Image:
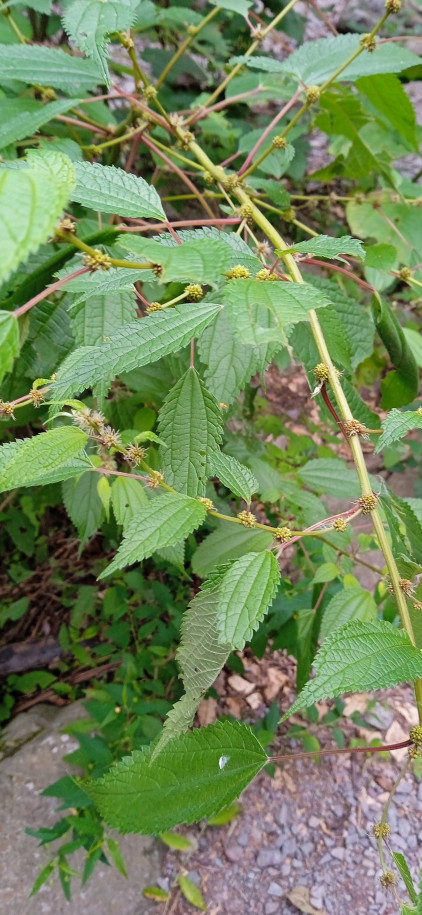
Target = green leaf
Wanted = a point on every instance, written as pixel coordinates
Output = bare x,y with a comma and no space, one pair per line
93,323
234,475
9,341
175,840
229,363
164,521
83,504
194,261
191,892
193,777
246,592
400,386
228,542
127,499
226,815
190,427
332,477
360,657
326,246
43,876
389,99
20,121
414,340
25,220
358,326
156,893
89,22
316,61
402,866
134,345
114,850
345,606
25,461
43,66
235,6
201,657
395,426
251,302
112,190
91,284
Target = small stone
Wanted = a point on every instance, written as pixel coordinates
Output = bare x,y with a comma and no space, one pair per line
283,815
234,852
288,848
271,908
398,842
404,787
275,889
339,853
268,857
316,902
314,822
285,870
307,848
404,828
420,792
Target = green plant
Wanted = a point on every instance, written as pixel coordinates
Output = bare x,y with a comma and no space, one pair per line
159,336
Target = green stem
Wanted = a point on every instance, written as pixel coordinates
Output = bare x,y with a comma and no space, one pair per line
193,33
384,816
114,261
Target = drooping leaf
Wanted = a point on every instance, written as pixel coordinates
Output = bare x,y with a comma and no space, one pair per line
403,868
24,462
25,220
194,261
194,777
89,22
332,477
234,475
9,341
326,246
22,120
165,520
250,301
127,499
83,504
190,428
43,66
345,606
134,345
229,541
400,386
245,594
395,426
360,657
112,190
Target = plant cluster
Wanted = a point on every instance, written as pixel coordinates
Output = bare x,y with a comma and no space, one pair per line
163,244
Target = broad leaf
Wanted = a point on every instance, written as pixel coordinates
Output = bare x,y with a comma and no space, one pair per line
326,246
25,220
251,302
194,261
24,462
235,6
22,120
402,866
194,777
395,426
164,521
128,498
332,477
245,594
234,475
83,504
389,98
357,322
89,22
400,386
9,341
43,66
360,657
350,604
96,321
190,427
112,190
134,345
229,541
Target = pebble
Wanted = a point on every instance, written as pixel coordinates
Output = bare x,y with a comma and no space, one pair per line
306,848
420,792
316,902
271,908
288,848
275,889
339,853
404,787
285,870
314,822
398,842
283,815
269,857
234,852
404,828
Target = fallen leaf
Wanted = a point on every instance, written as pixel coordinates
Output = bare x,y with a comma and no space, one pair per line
356,703
299,897
254,700
207,712
240,685
235,707
275,682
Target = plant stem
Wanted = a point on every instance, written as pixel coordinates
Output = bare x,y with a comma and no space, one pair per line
46,292
384,816
335,751
193,33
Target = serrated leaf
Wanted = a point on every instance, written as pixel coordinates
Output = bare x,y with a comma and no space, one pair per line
112,190
43,66
240,252
83,504
229,541
345,606
360,657
395,426
250,301
117,279
400,386
25,461
332,477
191,892
234,475
184,784
164,521
389,98
127,499
245,594
175,840
25,220
9,341
21,121
89,22
134,345
201,261
93,323
190,427
316,61
326,246
229,363
357,322
403,868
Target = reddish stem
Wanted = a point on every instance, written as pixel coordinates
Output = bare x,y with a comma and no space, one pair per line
332,410
84,124
46,292
337,752
120,473
184,223
267,130
348,273
175,168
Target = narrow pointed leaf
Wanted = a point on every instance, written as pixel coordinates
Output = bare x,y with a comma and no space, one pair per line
246,592
165,520
112,190
190,427
194,777
234,475
19,122
191,892
326,246
25,461
360,657
42,66
9,341
395,426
